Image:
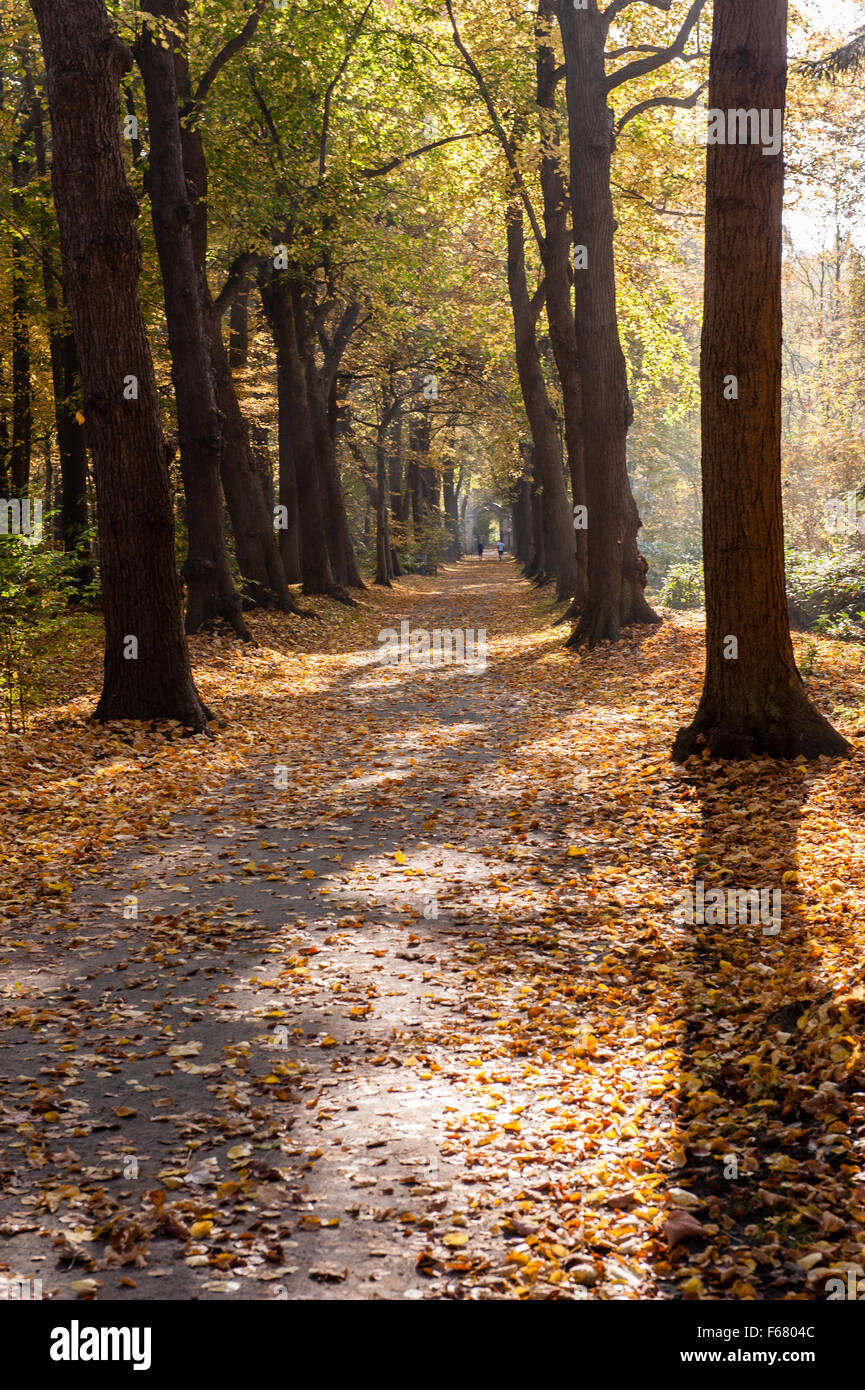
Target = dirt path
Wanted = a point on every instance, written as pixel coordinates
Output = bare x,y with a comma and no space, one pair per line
402,1033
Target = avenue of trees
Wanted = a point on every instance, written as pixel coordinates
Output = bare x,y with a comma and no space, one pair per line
463,243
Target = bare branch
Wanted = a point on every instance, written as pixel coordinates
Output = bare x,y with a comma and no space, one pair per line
641,66
233,46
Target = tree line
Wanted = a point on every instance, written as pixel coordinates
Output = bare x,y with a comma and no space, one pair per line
309,216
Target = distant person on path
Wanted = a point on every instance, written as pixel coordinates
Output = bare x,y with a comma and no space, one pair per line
501,549
480,550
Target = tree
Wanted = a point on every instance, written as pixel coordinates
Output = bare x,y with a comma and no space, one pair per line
753,698
146,673
210,586
541,415
617,572
257,548
555,293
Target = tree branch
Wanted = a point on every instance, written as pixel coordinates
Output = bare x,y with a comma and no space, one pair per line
335,349
501,133
613,11
233,46
414,154
663,211
331,88
538,301
236,275
641,66
649,105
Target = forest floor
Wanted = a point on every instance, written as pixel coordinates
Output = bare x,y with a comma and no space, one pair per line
379,992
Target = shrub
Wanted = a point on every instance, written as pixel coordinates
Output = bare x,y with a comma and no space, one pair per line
684,585
35,588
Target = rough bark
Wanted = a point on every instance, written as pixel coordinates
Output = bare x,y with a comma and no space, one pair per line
616,573
753,701
211,593
543,422
96,210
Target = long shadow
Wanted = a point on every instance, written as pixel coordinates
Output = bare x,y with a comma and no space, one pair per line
762,1108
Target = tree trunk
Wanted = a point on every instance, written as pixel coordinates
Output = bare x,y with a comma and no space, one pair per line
65,382
557,276
342,557
289,532
397,503
147,673
4,436
22,389
616,572
536,568
753,701
207,571
541,415
238,327
72,449
255,539
382,513
297,446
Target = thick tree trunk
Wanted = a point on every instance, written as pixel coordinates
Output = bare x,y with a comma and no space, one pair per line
207,571
541,415
616,573
557,276
753,701
147,671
